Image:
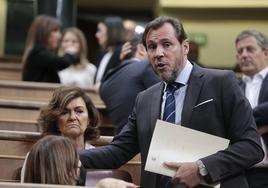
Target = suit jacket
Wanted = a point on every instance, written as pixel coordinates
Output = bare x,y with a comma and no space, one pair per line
120,87
228,115
260,112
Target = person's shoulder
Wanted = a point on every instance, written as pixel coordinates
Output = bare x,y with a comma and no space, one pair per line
154,88
213,71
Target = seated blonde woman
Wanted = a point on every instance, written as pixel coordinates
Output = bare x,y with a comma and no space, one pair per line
82,73
55,160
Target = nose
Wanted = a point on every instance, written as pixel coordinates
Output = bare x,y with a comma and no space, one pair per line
159,52
72,115
244,53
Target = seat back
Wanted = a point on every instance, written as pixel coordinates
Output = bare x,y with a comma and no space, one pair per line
94,176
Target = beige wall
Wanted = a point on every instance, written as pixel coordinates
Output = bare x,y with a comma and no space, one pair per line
221,27
220,48
3,9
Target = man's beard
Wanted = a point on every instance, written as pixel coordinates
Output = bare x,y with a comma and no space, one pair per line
169,77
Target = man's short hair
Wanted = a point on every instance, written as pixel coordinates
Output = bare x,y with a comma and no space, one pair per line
260,37
160,21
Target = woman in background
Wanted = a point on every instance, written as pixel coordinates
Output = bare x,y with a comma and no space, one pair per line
83,73
40,61
111,35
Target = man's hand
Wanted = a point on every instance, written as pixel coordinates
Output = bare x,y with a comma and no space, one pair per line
186,173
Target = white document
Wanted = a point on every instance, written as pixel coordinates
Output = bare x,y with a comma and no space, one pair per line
174,143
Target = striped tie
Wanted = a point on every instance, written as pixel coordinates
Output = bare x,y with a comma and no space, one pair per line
169,110
169,116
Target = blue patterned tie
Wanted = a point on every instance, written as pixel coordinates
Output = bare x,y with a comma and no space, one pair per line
170,106
169,116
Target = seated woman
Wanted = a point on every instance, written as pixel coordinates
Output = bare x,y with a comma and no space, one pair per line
55,160
72,114
83,73
40,61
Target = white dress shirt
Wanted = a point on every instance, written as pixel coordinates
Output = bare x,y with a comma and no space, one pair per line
103,64
179,94
252,92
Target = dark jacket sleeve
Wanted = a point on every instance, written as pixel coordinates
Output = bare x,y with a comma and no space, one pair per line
260,114
48,60
123,148
244,149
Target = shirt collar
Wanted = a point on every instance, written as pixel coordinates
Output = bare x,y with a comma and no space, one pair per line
262,74
184,75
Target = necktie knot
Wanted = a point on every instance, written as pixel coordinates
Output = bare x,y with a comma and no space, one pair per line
171,88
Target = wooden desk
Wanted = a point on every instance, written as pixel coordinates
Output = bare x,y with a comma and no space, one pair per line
10,71
37,91
18,113
14,145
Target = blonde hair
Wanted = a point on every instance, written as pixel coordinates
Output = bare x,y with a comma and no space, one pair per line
83,46
52,160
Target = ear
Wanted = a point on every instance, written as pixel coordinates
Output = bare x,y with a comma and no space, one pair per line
185,46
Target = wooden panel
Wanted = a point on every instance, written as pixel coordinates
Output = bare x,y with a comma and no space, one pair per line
18,148
30,185
10,71
18,142
133,167
21,102
117,4
14,125
214,4
24,115
17,113
37,91
10,168
15,144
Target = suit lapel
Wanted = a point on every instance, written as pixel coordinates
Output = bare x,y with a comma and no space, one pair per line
156,104
193,89
242,85
264,90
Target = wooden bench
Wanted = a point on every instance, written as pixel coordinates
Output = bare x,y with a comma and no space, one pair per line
14,125
31,185
10,68
14,145
37,91
18,113
10,71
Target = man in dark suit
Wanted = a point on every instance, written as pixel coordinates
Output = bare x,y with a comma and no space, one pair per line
209,101
120,86
252,56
